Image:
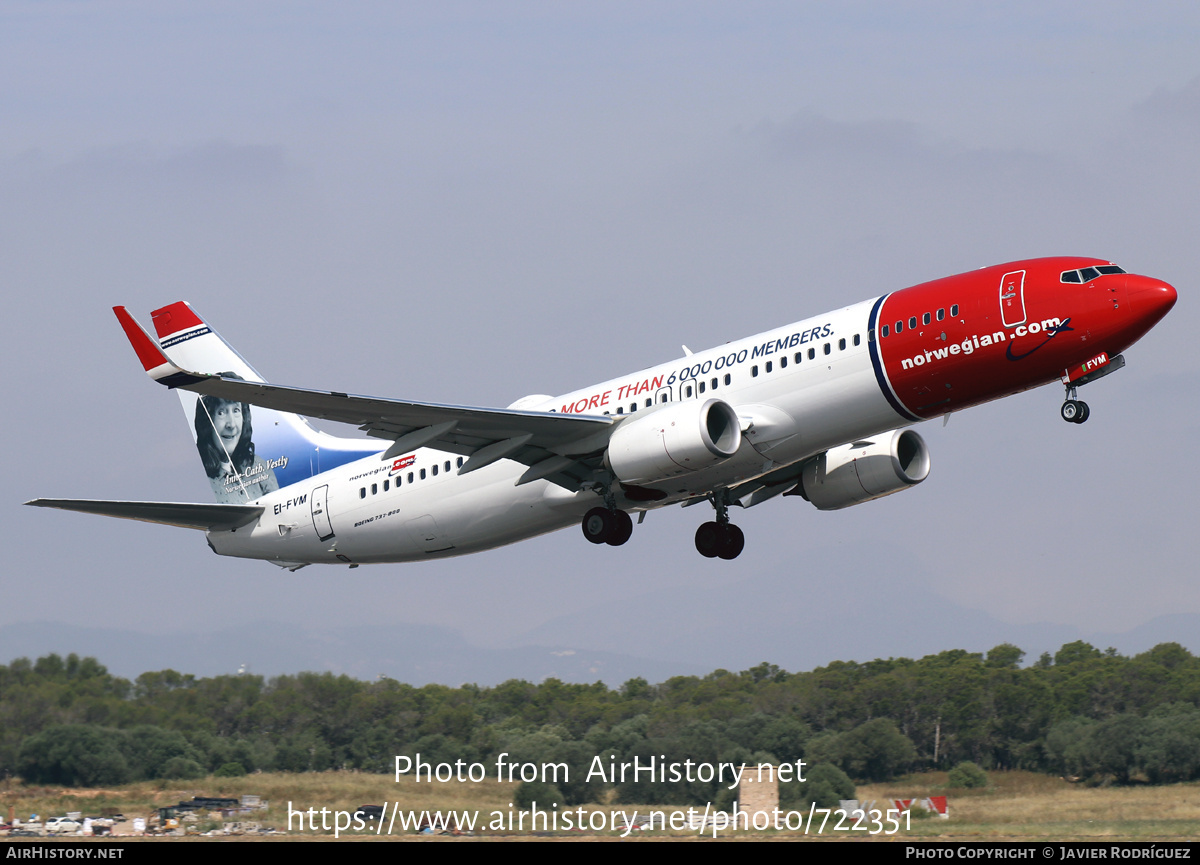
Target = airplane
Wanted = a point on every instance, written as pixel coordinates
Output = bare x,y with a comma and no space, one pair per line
818,409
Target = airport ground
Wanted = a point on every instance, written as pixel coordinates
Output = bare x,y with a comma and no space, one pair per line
1014,806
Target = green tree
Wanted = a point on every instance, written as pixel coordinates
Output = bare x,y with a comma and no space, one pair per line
74,755
148,749
545,796
968,774
874,751
1006,656
824,785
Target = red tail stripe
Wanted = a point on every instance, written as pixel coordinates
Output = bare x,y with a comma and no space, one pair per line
148,353
174,318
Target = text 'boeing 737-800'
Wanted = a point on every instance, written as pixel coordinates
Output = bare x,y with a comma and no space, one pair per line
818,409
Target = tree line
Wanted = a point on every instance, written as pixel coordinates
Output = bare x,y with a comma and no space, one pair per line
1091,714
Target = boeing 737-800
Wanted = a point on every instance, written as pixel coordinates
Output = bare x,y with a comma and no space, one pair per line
818,409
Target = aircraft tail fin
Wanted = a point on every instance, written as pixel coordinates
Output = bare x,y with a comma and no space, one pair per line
246,453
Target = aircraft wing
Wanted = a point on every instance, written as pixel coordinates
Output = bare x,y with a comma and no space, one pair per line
182,514
555,446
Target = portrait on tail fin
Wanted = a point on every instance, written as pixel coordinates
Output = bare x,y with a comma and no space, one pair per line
224,438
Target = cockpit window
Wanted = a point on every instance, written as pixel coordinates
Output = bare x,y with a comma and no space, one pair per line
1087,274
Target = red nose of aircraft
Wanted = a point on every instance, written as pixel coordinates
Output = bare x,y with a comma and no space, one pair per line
1150,298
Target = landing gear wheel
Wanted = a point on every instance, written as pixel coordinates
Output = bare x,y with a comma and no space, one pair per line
722,540
733,542
1084,413
622,529
1071,411
708,540
598,524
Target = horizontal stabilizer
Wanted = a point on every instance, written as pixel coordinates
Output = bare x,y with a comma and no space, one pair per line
182,514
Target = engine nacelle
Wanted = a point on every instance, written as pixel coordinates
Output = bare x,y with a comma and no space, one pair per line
675,440
865,470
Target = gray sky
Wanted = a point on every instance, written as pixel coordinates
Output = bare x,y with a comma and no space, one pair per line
471,202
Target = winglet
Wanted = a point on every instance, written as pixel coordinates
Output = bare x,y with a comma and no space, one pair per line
156,364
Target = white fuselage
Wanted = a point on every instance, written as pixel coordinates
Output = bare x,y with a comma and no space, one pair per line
371,511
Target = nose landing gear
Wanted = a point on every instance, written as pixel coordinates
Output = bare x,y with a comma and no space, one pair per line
1074,410
720,539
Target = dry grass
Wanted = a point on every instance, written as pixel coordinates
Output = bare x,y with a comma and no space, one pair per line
1017,805
342,791
1040,807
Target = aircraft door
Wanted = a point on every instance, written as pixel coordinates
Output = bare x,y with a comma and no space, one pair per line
320,513
687,389
663,395
1012,298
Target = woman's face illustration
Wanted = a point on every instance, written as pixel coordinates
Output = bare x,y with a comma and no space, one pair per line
228,420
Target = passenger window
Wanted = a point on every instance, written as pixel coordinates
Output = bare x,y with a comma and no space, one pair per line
448,461
422,474
620,409
798,356
812,352
434,469
885,330
362,492
649,402
857,338
912,323
459,462
828,348
769,366
870,337
385,486
954,311
754,371
783,362
899,327
374,489
398,479
701,387
632,407
410,477
941,313
842,344
925,318
689,390
728,378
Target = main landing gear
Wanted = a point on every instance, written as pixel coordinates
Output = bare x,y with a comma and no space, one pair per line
720,539
607,526
1074,410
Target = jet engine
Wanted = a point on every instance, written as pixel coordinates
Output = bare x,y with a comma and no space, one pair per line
865,470
677,439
